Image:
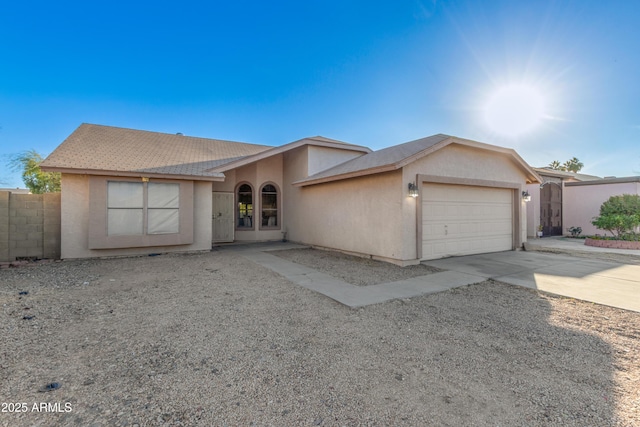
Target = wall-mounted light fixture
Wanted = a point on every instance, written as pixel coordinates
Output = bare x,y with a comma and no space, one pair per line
413,190
526,196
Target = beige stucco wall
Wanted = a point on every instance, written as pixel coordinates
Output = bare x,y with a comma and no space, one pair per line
533,210
76,215
582,203
268,170
296,167
460,162
374,215
323,158
358,215
308,160
361,215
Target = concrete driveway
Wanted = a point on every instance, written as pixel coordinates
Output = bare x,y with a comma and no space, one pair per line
602,282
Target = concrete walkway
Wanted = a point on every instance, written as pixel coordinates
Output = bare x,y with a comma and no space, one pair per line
602,282
346,293
609,283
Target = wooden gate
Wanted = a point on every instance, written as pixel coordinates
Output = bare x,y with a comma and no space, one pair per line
551,209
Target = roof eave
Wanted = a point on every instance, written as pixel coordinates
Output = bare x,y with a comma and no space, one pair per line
283,148
364,172
133,174
532,176
604,181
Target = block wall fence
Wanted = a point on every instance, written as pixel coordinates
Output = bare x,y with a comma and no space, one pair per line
29,226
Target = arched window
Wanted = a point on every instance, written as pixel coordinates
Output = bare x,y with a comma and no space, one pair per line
269,205
245,207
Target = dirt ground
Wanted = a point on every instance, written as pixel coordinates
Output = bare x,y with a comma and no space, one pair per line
213,339
352,269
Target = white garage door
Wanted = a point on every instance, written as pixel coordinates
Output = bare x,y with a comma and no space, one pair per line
465,220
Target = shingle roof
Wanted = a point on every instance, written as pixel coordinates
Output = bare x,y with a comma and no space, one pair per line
111,149
272,151
565,174
603,181
386,157
397,156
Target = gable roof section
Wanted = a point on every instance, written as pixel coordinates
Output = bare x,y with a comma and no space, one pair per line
318,141
106,150
566,175
397,156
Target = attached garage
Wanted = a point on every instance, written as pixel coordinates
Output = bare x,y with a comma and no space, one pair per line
426,199
465,220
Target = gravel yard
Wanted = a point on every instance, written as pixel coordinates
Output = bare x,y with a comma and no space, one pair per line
212,339
355,270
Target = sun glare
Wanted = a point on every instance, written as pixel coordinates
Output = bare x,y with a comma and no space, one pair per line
514,109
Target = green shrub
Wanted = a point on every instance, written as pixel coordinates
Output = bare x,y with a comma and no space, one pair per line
575,231
620,215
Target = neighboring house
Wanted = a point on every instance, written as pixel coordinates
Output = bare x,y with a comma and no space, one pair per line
127,192
547,207
567,199
583,199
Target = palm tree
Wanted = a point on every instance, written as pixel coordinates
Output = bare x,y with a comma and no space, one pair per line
573,165
555,165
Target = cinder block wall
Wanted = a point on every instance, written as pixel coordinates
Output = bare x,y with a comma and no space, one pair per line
4,226
29,225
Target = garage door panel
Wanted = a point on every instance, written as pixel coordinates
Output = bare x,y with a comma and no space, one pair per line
464,220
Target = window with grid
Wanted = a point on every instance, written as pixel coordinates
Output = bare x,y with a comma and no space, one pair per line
269,206
245,206
137,208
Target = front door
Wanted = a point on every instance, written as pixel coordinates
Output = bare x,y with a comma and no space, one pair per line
222,217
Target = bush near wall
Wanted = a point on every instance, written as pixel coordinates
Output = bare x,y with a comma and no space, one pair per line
620,215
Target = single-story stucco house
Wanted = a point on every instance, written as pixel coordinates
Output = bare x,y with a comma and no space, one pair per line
127,192
567,199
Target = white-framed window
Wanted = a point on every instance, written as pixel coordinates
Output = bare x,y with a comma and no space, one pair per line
139,208
125,208
163,208
269,206
244,209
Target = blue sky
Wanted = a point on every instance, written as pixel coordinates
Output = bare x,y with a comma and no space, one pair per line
375,73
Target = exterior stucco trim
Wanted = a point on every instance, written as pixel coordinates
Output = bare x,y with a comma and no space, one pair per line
434,179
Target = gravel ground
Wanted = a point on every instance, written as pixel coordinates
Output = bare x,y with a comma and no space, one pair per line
212,340
353,269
